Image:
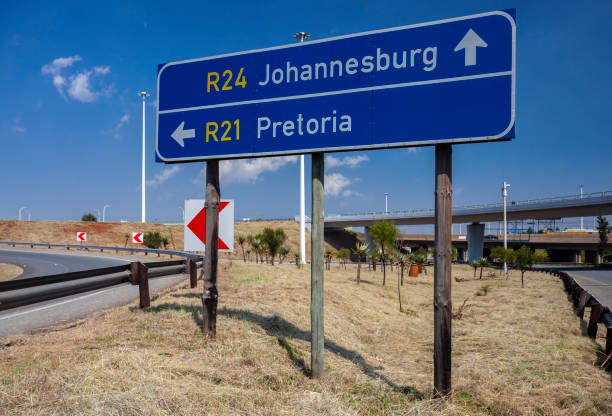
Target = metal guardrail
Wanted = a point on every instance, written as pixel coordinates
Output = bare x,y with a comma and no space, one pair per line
132,250
16,293
420,212
582,299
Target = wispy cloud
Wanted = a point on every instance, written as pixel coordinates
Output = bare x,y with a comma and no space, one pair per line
115,130
17,126
163,176
332,162
85,85
412,149
250,170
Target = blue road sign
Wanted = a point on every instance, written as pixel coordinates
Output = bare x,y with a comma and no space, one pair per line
450,81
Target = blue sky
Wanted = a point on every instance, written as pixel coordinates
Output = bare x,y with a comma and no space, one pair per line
70,116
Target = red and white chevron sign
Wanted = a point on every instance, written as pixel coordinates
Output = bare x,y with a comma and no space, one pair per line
81,236
195,225
137,238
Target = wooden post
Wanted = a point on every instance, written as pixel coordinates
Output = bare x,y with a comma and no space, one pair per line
596,313
443,306
134,269
211,295
143,285
317,342
192,269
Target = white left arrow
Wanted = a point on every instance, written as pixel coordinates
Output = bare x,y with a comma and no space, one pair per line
180,135
469,43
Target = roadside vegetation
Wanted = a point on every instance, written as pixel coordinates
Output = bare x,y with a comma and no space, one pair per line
509,356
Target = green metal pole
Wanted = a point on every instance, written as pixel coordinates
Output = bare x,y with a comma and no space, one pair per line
316,267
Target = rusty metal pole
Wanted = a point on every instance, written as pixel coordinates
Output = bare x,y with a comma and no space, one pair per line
443,306
210,295
134,270
317,271
192,269
143,286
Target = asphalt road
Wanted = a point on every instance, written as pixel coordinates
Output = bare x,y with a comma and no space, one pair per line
67,309
41,263
598,282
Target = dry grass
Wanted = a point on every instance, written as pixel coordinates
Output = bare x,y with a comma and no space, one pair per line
9,271
515,352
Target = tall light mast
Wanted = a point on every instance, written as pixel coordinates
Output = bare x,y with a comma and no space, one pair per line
144,95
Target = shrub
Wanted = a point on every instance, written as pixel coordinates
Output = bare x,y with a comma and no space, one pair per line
153,239
89,217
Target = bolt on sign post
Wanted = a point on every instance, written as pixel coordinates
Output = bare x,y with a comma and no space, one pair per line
437,83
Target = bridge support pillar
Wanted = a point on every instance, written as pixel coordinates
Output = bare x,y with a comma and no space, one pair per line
592,256
368,240
576,256
475,240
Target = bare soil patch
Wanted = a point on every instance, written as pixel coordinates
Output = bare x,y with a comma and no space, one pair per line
515,352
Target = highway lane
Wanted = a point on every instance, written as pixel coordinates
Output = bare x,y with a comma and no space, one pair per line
40,263
41,315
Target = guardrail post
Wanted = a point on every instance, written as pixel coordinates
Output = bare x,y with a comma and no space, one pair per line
192,269
596,313
584,300
143,283
134,278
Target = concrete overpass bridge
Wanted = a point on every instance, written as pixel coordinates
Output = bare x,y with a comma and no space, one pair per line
593,204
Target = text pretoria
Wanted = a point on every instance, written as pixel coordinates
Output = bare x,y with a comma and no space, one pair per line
337,68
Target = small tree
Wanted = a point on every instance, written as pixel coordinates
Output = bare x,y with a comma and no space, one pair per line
282,253
343,255
361,251
127,238
374,257
297,260
165,241
602,230
273,240
152,240
482,263
524,260
385,234
476,265
89,217
241,240
540,255
454,254
328,258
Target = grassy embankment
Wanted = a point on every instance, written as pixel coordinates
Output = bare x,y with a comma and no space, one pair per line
9,271
515,352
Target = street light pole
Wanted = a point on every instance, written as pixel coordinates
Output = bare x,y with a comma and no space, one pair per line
98,211
386,202
182,213
302,36
505,196
581,218
104,212
144,95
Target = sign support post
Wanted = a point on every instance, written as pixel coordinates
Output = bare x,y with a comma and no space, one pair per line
210,295
443,305
317,342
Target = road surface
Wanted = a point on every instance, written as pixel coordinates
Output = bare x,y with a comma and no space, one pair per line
41,263
67,309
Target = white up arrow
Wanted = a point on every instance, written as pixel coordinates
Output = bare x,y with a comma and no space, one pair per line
180,135
469,43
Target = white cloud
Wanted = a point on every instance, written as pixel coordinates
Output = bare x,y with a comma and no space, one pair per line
162,177
78,85
413,149
335,183
115,130
80,88
332,162
250,170
19,129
